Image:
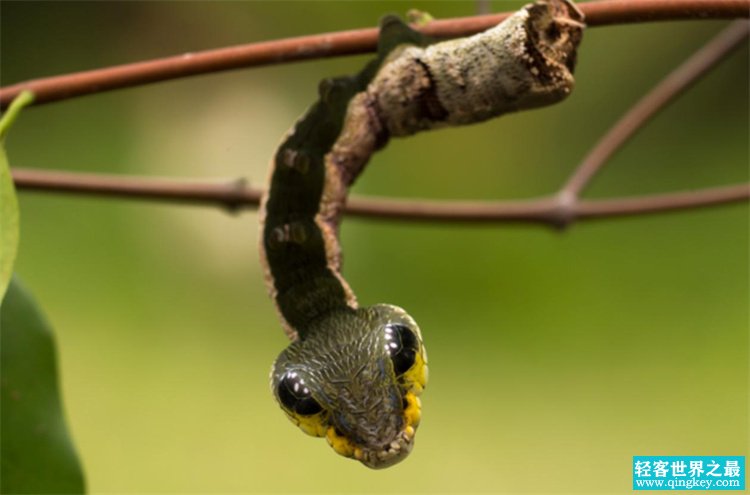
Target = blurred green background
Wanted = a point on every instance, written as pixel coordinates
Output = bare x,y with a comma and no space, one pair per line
555,357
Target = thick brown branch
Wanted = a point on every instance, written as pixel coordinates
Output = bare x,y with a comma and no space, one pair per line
234,195
350,42
679,80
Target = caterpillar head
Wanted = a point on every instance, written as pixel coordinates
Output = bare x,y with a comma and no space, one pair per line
355,379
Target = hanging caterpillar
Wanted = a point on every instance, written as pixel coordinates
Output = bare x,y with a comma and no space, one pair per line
353,374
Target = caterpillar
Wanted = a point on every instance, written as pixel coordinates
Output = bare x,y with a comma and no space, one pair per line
354,374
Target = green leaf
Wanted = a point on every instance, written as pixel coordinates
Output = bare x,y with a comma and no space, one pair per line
36,452
8,201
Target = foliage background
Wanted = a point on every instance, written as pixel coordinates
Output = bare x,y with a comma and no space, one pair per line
555,357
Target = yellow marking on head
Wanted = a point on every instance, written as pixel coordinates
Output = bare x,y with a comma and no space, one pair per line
312,425
409,431
416,377
341,444
413,410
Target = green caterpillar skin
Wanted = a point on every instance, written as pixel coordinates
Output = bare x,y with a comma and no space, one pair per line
353,374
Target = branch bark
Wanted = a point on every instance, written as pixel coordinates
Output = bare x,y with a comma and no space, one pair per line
601,13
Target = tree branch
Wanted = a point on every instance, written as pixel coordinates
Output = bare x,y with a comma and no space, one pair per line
558,210
229,194
679,80
237,194
350,42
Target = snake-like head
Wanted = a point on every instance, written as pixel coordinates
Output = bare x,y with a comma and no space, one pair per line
354,379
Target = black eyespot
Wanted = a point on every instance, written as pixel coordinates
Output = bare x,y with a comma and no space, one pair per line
402,345
295,395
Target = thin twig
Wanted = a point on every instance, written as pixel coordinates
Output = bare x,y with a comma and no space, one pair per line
231,195
546,210
665,92
340,43
605,208
236,194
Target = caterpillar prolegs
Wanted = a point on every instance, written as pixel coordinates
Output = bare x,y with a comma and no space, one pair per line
353,374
